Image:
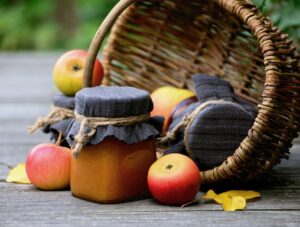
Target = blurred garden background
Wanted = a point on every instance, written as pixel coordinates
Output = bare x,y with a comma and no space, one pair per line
71,24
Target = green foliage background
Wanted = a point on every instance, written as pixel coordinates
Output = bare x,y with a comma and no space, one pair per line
35,25
285,14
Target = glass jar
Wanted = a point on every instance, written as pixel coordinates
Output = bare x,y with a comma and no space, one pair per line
113,163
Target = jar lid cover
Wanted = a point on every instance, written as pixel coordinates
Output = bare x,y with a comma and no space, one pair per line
211,87
63,101
112,102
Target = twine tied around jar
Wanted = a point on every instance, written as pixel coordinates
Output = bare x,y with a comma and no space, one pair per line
185,124
56,114
83,137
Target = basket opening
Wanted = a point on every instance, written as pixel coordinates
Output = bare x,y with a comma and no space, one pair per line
161,43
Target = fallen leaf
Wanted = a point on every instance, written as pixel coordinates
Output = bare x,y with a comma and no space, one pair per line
18,175
245,194
233,203
232,200
212,195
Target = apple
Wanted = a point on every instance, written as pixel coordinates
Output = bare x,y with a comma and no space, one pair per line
48,166
68,72
165,99
174,179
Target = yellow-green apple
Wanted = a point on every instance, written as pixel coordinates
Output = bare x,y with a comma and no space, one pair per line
165,99
48,166
174,179
68,72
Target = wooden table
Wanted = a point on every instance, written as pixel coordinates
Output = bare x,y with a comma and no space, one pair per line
26,89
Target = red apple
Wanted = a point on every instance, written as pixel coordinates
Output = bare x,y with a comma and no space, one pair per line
68,72
48,166
174,179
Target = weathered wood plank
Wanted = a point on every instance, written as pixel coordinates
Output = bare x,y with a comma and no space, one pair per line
11,59
175,218
19,125
23,95
14,131
281,199
20,139
20,73
12,155
43,210
13,111
3,172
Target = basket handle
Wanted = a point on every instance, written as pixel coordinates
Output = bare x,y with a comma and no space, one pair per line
99,37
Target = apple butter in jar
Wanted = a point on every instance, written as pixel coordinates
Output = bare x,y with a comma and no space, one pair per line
113,143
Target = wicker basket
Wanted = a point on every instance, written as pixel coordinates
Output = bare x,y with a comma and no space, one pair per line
158,42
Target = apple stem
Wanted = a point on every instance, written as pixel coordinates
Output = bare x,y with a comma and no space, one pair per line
169,166
76,68
58,142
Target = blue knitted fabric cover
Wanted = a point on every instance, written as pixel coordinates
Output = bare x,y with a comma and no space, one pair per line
116,102
64,101
63,126
218,129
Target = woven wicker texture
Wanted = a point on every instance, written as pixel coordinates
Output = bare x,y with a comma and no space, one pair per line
159,42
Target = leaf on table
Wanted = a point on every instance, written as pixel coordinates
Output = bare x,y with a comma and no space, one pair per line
245,194
232,200
233,203
18,175
212,195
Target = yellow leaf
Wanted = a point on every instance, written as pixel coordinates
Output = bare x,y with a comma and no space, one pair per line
232,200
212,195
18,175
245,194
233,203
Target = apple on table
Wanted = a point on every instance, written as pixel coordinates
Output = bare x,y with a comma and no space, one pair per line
68,72
174,179
48,166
